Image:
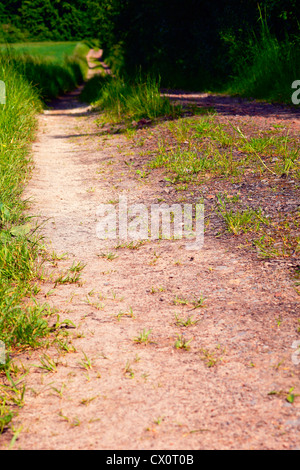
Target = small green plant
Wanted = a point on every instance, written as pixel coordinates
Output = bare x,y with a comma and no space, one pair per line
87,401
189,321
143,337
199,302
154,290
142,174
95,303
6,415
255,146
159,420
180,301
182,343
129,313
133,245
48,364
71,276
77,267
59,391
72,421
128,371
212,358
109,256
291,396
85,362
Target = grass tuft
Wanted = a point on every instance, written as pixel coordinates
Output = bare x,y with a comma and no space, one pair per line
132,100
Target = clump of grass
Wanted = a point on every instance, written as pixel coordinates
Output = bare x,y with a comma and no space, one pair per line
183,164
185,322
211,358
182,343
143,337
238,221
268,68
124,99
128,371
109,256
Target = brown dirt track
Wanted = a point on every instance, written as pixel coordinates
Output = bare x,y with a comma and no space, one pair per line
228,391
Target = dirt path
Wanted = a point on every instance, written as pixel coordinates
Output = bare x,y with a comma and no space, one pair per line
228,391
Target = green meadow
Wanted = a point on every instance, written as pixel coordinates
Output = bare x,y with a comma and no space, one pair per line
55,50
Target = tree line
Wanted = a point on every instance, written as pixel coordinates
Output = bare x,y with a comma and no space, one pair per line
190,41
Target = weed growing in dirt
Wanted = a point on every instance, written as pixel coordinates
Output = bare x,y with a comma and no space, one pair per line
211,358
143,337
67,278
182,343
199,302
180,301
95,303
85,362
241,221
185,322
129,314
87,401
47,363
133,245
128,371
109,256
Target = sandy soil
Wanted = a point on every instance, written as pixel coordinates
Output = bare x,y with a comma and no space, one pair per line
228,391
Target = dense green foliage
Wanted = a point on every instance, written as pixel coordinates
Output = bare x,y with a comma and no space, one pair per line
268,68
44,20
195,44
51,69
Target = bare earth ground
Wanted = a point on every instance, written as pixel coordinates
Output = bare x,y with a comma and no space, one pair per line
228,391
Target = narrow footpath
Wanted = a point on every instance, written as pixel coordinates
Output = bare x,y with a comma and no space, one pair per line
119,382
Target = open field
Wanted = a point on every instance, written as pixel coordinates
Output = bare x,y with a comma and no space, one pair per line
55,50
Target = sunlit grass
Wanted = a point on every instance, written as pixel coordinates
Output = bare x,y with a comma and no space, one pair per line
122,99
29,79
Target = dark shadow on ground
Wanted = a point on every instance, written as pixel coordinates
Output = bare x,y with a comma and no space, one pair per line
234,106
223,105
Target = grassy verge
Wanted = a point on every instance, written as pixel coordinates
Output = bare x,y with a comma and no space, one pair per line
266,67
121,99
52,69
23,321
